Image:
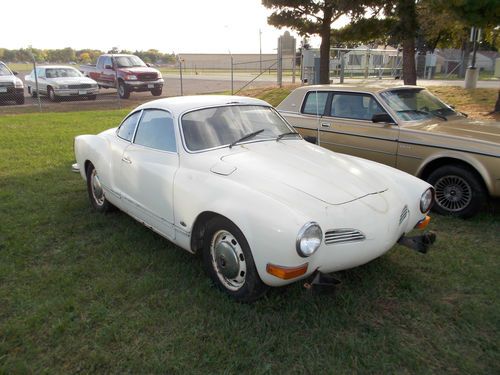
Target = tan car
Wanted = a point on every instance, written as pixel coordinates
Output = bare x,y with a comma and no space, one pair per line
407,128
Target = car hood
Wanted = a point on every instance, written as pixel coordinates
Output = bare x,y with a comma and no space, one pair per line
8,79
329,177
71,80
487,131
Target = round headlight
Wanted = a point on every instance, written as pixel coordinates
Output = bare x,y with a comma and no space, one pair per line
309,239
426,200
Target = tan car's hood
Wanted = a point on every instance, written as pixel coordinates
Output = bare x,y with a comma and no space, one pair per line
457,133
488,131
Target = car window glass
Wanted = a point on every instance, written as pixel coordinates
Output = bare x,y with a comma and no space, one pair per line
214,127
4,71
126,130
156,130
355,106
315,103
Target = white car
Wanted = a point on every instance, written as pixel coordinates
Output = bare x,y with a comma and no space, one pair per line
57,81
229,177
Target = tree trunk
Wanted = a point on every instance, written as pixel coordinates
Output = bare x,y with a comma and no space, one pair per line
409,68
497,104
324,49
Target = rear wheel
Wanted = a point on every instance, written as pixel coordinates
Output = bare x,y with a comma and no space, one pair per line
96,191
229,263
123,90
458,191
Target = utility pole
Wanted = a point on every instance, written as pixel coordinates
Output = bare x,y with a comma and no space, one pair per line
260,51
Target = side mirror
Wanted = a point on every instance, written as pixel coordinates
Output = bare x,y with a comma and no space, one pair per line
15,73
382,117
108,67
311,139
148,64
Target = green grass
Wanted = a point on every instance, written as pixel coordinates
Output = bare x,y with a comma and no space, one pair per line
87,293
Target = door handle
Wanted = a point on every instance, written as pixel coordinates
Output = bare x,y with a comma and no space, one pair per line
126,160
325,124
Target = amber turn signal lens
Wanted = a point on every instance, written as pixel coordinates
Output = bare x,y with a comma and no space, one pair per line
286,273
423,223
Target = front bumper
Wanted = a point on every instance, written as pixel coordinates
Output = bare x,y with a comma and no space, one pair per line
11,92
76,92
144,85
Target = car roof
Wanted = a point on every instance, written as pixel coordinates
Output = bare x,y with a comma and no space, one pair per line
57,67
373,88
180,104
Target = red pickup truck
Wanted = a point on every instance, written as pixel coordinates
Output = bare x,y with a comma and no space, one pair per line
127,73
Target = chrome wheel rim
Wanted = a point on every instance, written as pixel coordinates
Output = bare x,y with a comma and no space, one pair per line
96,188
52,95
228,260
121,89
453,193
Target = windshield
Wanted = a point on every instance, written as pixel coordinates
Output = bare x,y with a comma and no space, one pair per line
128,61
62,72
415,104
4,71
221,126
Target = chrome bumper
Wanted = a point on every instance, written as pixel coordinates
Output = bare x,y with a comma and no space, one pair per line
75,168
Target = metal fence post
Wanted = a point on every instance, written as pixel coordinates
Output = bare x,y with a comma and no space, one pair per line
232,76
36,83
180,76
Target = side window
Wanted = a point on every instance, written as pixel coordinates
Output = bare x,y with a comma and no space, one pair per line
156,130
126,130
355,106
315,103
40,73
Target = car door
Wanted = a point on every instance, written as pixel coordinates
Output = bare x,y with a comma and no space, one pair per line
347,127
42,80
147,171
308,121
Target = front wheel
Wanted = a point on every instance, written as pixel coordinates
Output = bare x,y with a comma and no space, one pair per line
229,263
96,191
123,90
156,92
458,191
51,94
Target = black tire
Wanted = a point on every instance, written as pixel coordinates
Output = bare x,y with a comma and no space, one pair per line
123,90
246,285
91,97
156,92
51,94
96,194
459,192
20,100
32,92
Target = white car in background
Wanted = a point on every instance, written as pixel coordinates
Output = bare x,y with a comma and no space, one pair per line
11,87
229,177
57,81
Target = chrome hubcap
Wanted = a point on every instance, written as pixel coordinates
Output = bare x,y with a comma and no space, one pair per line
228,260
453,193
97,191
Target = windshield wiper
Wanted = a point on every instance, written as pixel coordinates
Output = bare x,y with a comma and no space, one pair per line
286,134
245,137
424,113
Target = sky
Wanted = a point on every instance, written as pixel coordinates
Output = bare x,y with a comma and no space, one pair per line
178,26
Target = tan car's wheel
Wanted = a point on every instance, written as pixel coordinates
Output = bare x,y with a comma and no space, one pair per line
229,262
51,94
458,191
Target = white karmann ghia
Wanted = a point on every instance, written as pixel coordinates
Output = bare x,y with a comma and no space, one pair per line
229,177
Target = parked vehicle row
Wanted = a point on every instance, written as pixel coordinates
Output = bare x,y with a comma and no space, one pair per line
127,73
11,87
407,128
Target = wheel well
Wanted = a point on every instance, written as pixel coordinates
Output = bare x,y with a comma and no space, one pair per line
86,165
438,163
199,227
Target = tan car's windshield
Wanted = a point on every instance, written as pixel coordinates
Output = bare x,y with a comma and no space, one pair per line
416,104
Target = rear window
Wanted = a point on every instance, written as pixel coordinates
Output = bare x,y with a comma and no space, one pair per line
315,103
